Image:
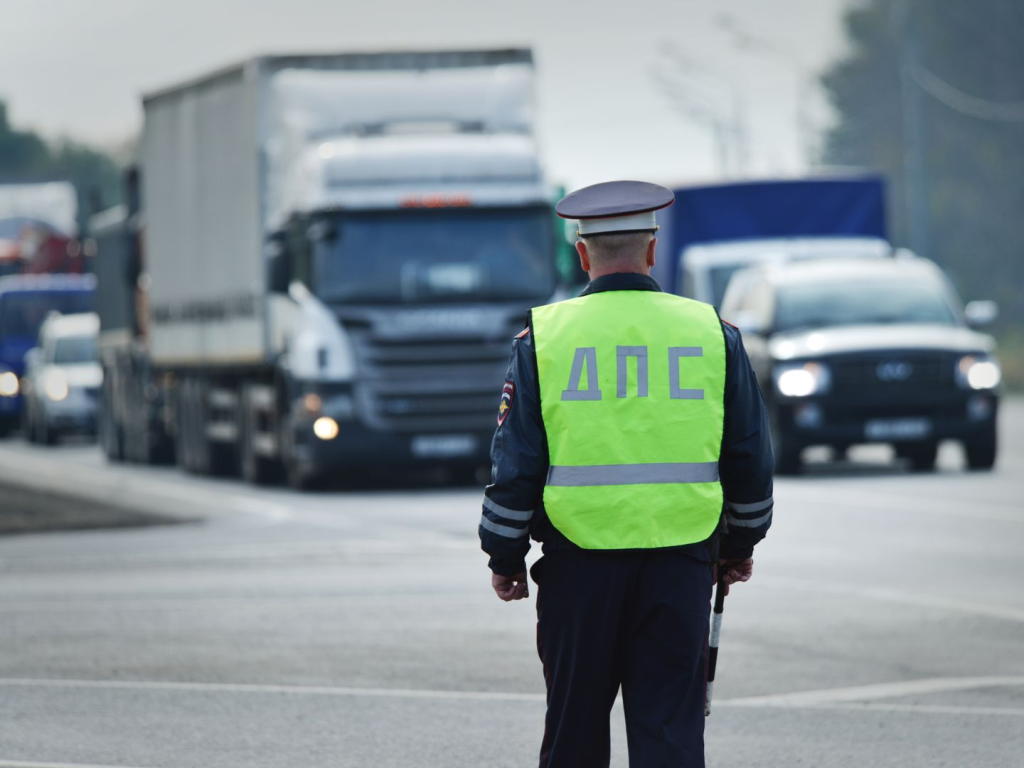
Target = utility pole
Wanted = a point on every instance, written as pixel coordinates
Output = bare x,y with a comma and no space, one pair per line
803,79
914,133
727,122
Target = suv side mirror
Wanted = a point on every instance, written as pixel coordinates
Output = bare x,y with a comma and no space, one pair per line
278,259
981,314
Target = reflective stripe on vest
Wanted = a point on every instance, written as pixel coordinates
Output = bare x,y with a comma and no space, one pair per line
632,390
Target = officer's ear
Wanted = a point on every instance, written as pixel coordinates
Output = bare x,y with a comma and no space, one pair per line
650,252
581,249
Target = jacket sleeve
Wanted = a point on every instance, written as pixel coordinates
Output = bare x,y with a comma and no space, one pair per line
519,465
747,461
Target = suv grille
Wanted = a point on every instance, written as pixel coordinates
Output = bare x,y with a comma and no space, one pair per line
893,372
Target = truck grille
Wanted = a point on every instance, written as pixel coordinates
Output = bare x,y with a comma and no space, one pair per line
893,372
431,385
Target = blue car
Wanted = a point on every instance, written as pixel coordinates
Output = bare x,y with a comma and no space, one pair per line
25,302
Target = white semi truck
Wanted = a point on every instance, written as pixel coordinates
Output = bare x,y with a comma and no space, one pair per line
337,252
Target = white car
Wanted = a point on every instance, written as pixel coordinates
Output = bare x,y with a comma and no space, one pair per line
705,270
62,379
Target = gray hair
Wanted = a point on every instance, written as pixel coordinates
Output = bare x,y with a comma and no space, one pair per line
628,249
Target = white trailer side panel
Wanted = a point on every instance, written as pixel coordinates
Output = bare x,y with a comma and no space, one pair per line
203,229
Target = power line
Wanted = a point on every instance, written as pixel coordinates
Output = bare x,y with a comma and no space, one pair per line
965,103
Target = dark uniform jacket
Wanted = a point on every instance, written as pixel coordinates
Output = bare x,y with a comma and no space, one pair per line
513,509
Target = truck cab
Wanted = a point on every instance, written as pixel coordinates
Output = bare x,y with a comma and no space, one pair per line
338,252
409,259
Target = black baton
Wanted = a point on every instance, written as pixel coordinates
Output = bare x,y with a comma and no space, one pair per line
716,632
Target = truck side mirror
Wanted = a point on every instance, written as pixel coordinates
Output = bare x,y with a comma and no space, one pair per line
981,314
279,268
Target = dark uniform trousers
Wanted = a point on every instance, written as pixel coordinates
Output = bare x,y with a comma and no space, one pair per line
635,620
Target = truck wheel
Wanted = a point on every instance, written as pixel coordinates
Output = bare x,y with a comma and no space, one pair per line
981,452
202,455
922,456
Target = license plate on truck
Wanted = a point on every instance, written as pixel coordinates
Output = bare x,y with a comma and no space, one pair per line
897,429
442,446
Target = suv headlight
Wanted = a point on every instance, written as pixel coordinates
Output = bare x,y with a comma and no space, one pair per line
803,379
978,372
56,387
9,384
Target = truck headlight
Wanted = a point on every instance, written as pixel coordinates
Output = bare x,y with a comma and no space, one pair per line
56,387
803,379
978,372
9,384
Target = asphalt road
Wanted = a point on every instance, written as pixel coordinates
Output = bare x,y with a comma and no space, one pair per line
884,626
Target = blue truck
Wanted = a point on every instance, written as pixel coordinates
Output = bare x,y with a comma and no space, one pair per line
713,231
25,302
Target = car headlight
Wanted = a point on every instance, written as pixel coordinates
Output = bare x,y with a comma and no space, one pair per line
978,372
801,380
9,384
56,387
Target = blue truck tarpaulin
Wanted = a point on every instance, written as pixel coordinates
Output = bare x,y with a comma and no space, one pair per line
820,207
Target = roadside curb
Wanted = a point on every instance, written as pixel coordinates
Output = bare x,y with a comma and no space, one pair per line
38,499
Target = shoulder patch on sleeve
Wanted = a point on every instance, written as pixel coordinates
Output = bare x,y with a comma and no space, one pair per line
523,332
507,394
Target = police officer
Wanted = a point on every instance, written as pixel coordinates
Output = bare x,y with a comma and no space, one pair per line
632,441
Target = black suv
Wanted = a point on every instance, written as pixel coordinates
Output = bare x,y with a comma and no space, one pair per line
868,351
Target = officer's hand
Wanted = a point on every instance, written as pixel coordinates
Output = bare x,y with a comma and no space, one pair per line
510,587
732,571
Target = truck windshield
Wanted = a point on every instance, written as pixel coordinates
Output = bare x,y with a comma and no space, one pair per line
436,255
75,349
861,302
21,313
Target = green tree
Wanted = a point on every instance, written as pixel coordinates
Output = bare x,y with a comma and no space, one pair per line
22,153
957,68
25,156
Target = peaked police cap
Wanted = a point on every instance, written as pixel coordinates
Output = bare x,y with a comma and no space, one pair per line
615,207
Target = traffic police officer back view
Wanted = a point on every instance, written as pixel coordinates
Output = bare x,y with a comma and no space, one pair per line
632,441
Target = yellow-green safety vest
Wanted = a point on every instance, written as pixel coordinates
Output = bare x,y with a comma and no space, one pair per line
632,390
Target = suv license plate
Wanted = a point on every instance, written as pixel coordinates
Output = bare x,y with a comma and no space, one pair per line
897,429
442,446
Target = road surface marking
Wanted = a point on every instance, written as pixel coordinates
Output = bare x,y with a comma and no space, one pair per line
923,709
310,690
862,693
856,697
884,501
906,598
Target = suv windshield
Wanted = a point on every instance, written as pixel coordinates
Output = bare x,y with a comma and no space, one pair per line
22,312
434,255
69,350
862,302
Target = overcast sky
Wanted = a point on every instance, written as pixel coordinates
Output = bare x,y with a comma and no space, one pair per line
77,67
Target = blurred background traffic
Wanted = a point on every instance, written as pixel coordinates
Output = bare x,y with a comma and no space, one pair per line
250,247
304,264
